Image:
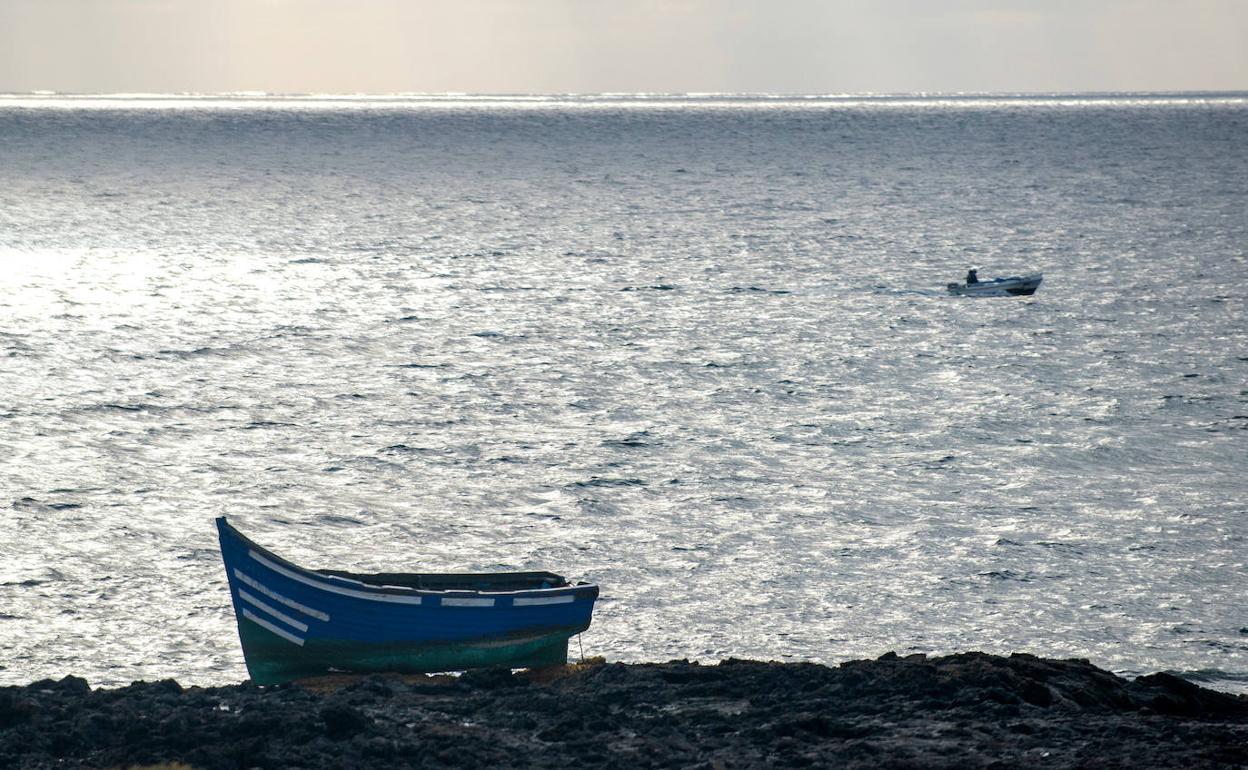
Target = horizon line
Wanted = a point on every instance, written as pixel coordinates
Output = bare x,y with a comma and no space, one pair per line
607,95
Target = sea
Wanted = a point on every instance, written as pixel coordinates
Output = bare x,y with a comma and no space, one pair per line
696,349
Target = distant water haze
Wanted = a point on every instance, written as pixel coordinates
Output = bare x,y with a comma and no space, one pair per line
591,46
696,350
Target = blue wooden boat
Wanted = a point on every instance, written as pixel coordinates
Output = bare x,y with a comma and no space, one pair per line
295,622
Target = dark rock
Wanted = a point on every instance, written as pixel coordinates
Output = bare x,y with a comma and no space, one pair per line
969,710
1180,697
72,685
168,686
15,710
491,679
342,721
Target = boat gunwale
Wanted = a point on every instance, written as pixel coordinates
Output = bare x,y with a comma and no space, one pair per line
315,576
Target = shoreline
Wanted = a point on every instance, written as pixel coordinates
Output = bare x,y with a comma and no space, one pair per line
964,710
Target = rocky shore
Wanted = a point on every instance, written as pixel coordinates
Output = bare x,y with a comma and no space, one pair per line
961,711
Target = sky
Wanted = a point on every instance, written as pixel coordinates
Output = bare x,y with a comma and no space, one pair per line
594,46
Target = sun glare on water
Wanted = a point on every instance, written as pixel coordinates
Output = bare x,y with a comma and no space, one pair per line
41,283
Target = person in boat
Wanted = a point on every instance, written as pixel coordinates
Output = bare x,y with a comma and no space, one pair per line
971,276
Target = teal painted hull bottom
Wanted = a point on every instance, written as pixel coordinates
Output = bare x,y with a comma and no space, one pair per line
273,660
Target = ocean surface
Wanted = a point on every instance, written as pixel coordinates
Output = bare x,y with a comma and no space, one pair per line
696,349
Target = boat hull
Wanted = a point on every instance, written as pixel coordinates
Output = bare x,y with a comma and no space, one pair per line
295,622
270,659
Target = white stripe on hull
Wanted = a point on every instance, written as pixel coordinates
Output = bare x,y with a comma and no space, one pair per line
451,601
288,620
332,589
269,626
522,602
275,596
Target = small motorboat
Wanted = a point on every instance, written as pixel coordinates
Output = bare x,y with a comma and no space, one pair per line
295,622
998,287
